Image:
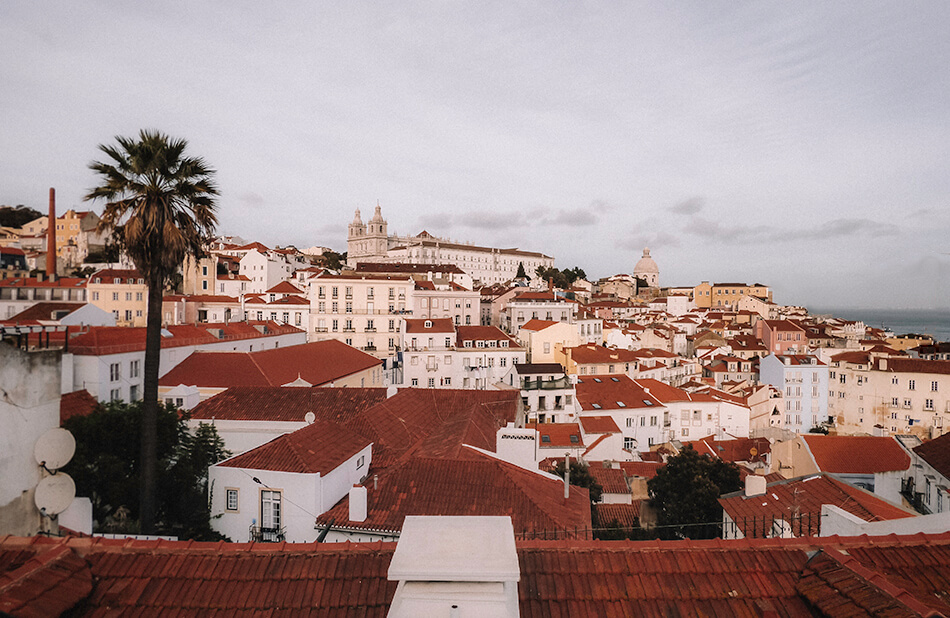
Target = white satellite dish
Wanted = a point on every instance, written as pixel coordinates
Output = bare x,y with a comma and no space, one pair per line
54,448
309,417
55,493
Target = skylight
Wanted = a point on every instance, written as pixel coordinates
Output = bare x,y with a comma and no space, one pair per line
621,404
596,406
648,402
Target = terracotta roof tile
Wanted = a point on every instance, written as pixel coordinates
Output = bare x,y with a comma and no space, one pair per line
626,515
77,403
936,452
477,485
599,424
755,577
558,434
612,480
804,496
98,340
320,447
611,393
275,403
857,454
319,362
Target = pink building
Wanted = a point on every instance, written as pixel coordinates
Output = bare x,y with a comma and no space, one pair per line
781,336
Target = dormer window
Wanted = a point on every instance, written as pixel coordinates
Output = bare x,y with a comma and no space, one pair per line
428,324
118,280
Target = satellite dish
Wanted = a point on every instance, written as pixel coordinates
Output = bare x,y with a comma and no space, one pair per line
55,493
309,417
54,448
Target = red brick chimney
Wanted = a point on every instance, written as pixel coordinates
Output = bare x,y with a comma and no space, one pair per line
51,235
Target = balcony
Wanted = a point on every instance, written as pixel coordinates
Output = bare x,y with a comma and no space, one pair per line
349,329
320,329
259,534
369,329
545,385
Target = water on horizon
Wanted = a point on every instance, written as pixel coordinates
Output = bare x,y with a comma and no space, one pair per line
933,322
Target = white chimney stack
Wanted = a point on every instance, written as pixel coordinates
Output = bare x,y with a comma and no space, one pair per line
754,486
358,503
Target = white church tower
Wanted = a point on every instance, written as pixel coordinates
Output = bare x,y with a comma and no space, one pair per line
367,242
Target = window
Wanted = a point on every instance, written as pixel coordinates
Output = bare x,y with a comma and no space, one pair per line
231,499
448,381
95,296
933,386
928,404
115,395
685,432
270,509
134,392
115,296
629,443
114,373
431,383
134,369
415,382
911,384
362,458
503,361
128,314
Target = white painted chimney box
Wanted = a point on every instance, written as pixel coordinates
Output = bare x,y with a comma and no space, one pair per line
358,503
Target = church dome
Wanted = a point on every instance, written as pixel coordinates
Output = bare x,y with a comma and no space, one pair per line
646,265
647,269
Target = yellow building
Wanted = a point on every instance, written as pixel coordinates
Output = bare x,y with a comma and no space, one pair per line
124,293
727,295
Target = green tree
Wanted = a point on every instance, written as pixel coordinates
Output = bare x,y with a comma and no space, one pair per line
160,206
107,469
685,494
521,274
581,476
17,216
333,260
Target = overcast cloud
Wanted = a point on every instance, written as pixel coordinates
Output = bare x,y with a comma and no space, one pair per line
803,145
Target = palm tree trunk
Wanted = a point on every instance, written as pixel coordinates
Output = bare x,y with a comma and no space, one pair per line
149,457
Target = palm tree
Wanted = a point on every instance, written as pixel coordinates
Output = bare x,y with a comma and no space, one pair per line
160,206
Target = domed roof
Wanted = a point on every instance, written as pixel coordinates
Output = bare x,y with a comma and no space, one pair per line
646,265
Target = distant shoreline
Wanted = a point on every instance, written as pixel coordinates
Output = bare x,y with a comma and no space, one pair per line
933,322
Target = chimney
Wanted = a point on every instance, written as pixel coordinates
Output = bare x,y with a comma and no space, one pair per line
358,503
567,476
754,485
51,235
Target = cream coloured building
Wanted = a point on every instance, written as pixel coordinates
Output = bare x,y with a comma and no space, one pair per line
123,293
371,242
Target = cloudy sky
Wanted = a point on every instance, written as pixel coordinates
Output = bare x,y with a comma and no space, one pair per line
801,145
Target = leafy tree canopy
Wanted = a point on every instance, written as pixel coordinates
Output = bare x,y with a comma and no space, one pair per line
562,278
333,260
106,468
17,216
581,476
685,493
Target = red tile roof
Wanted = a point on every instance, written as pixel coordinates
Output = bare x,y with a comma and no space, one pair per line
117,276
99,340
535,325
435,422
479,484
275,403
936,452
739,449
284,287
595,354
644,469
44,311
609,392
318,448
856,454
77,403
612,480
33,282
917,365
599,424
801,499
44,584
761,577
319,362
626,515
566,435
437,325
483,333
